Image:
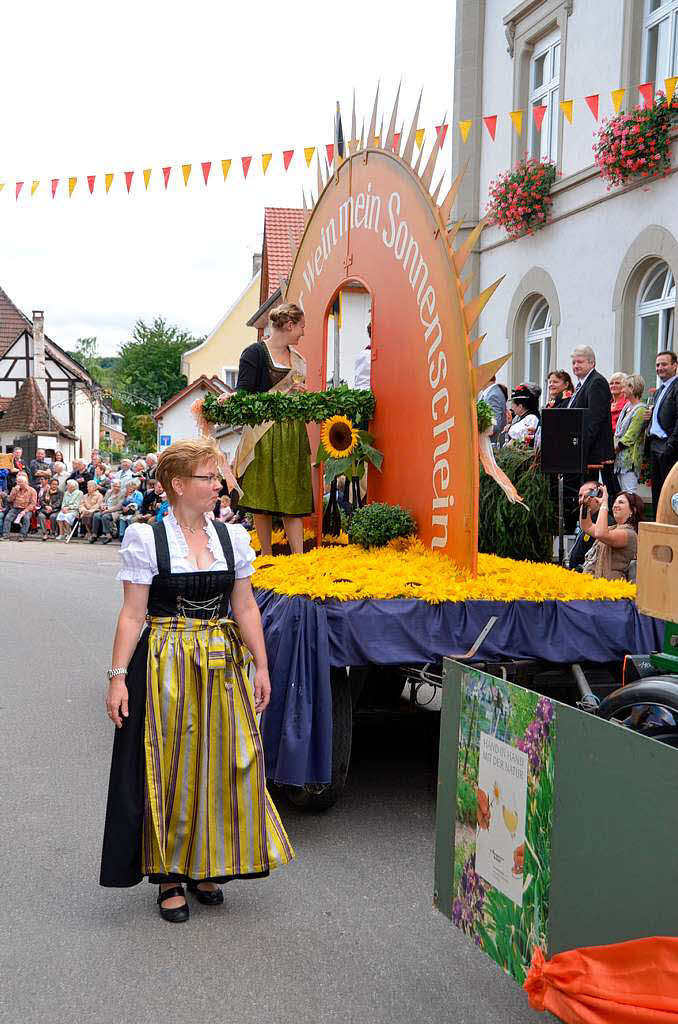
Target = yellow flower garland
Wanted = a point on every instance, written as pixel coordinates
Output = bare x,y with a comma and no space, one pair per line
405,568
279,537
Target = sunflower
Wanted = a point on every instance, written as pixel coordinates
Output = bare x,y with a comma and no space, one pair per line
339,437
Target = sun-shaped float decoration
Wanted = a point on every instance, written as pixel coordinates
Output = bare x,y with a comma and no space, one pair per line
377,221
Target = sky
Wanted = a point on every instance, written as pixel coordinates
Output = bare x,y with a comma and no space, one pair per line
90,88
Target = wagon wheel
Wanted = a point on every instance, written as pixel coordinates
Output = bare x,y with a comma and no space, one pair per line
321,797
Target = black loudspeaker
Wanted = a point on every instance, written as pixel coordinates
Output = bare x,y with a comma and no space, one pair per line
562,440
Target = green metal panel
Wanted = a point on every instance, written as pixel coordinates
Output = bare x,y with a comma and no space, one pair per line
447,789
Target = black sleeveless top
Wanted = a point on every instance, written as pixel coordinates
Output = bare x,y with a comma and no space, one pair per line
195,595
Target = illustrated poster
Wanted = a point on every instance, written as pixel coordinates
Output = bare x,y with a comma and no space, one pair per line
502,790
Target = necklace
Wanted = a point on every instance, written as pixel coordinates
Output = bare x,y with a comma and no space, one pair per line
191,529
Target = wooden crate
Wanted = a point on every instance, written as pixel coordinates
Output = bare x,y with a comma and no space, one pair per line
657,573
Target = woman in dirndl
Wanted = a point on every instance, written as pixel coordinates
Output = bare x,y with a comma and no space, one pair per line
273,459
187,799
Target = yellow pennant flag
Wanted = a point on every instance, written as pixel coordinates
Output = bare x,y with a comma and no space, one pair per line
377,140
517,118
419,137
265,161
465,128
566,107
147,177
109,181
617,99
670,85
72,182
225,168
308,153
186,171
34,186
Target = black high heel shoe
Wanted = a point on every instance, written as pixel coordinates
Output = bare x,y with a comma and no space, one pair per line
175,915
213,898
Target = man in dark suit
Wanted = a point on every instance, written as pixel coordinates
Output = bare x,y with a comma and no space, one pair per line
662,428
593,394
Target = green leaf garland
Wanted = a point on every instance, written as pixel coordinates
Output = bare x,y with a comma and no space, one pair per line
247,409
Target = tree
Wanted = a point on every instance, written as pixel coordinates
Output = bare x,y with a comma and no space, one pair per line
86,354
150,363
143,432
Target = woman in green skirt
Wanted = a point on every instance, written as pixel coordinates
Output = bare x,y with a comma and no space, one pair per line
273,459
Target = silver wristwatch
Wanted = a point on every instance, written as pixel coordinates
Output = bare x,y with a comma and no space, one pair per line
113,672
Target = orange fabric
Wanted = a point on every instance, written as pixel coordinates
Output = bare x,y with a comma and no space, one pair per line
625,983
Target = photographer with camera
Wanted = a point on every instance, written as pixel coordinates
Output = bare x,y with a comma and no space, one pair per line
615,547
590,496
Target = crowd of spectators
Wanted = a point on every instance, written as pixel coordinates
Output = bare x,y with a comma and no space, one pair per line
91,500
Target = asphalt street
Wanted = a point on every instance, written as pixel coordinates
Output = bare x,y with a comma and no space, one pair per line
345,934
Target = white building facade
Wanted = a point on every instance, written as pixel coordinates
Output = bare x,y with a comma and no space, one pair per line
603,272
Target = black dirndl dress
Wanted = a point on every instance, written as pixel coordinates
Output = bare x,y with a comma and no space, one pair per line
187,797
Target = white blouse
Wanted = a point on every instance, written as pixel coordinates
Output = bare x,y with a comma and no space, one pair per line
520,428
139,563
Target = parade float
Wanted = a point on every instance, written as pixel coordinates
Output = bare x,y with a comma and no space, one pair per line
339,607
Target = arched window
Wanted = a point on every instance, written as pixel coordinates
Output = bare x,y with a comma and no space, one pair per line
538,343
654,320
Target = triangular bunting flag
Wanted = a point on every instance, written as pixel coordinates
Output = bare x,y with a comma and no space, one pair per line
308,153
566,107
491,125
147,177
287,157
396,141
517,119
670,85
206,168
246,161
19,186
128,179
617,99
34,186
166,171
91,178
55,182
419,137
225,168
265,161
329,149
647,92
109,181
72,182
377,140
592,103
465,128
538,112
186,171
441,131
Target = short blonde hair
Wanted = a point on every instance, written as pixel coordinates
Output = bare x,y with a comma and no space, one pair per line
636,383
181,458
285,313
619,375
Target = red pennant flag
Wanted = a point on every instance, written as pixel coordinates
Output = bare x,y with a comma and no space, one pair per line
287,157
246,161
55,182
491,125
128,179
329,149
19,186
166,174
90,182
441,130
592,102
396,141
539,111
647,92
206,168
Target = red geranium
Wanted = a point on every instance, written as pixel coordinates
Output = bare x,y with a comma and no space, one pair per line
520,199
636,143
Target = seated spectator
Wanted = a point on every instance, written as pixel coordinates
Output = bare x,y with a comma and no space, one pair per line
616,383
131,503
629,435
223,510
60,457
60,474
125,473
91,502
94,461
80,474
100,477
19,467
151,464
70,507
525,416
39,469
163,508
150,504
23,502
590,496
106,520
560,389
615,547
50,506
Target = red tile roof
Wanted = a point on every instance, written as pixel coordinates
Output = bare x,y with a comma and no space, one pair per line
213,384
279,224
5,403
28,413
12,322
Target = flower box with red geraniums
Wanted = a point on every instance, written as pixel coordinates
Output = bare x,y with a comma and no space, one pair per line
520,199
636,143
